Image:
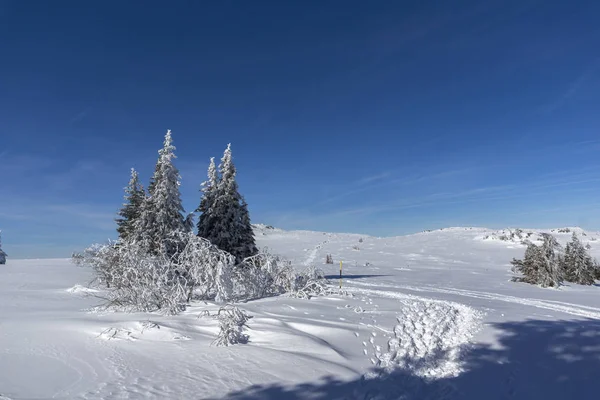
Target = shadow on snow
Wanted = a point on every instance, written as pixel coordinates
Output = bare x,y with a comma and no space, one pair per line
350,276
533,359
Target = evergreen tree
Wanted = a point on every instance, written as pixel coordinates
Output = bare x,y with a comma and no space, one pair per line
550,273
248,245
3,255
209,187
162,213
541,264
578,266
134,197
232,231
529,266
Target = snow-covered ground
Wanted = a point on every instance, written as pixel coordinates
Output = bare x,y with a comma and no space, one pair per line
426,316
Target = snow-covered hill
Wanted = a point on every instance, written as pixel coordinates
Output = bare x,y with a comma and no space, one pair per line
435,312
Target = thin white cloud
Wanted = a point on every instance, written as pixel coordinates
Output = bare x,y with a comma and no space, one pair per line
80,116
573,87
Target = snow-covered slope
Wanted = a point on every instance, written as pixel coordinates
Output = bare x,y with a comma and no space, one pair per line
435,312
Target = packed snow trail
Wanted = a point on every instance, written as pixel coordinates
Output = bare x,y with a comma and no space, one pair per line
567,308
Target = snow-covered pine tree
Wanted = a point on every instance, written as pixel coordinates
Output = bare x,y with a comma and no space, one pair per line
528,267
162,213
231,231
3,255
134,198
248,245
550,273
541,264
578,265
209,188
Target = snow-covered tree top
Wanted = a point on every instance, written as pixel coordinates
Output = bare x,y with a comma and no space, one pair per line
167,152
212,180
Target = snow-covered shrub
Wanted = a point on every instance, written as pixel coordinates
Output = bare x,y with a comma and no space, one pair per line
313,288
264,274
311,283
203,269
137,280
232,321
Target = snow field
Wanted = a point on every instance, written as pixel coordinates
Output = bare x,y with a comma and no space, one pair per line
425,316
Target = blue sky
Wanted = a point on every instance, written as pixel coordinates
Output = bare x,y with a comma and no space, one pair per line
382,118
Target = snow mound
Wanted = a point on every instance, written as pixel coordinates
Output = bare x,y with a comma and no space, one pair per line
81,289
144,330
430,337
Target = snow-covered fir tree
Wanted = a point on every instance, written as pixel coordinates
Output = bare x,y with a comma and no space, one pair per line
528,267
541,264
551,273
134,198
162,212
578,265
248,245
3,255
232,231
209,187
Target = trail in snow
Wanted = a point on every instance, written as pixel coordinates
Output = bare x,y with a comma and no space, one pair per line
312,255
568,308
573,309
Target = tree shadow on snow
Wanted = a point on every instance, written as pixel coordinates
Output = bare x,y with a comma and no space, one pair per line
350,276
549,360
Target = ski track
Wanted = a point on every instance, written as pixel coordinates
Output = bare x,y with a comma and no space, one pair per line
568,308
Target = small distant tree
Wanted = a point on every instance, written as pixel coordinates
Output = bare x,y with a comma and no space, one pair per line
541,264
3,255
328,259
134,198
577,264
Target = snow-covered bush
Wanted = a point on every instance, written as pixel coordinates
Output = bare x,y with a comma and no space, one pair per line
137,280
263,275
311,283
232,321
